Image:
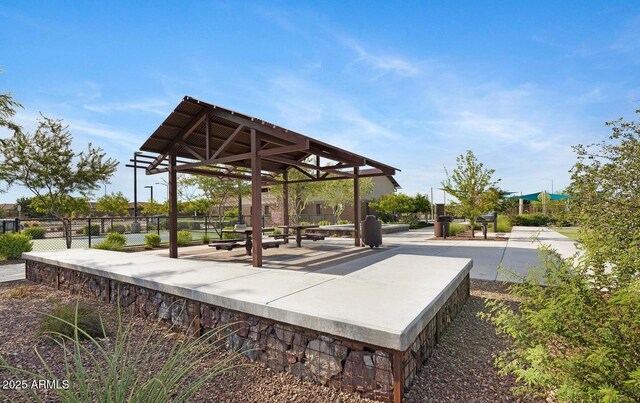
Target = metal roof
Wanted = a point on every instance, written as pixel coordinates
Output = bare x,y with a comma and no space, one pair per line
212,140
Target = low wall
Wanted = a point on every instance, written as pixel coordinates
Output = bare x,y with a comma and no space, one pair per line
347,365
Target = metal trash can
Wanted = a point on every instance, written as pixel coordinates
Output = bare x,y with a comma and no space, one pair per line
371,230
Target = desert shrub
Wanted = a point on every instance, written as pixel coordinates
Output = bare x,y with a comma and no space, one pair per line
570,337
277,231
152,240
13,245
184,238
456,228
34,232
95,229
117,369
64,319
342,222
115,237
530,220
206,240
30,223
106,245
324,222
119,228
22,291
504,224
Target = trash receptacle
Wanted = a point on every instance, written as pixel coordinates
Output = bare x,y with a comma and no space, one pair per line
371,230
441,228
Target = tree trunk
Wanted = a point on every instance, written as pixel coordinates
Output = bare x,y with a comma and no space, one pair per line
66,230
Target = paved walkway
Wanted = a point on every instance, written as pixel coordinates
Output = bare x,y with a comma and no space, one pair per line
11,272
516,256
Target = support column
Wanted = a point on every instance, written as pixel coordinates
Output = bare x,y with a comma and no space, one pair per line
285,203
356,205
173,205
256,199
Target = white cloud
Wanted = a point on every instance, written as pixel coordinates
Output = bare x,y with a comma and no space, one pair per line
383,63
155,106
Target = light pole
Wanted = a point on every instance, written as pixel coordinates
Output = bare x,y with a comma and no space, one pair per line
135,183
150,187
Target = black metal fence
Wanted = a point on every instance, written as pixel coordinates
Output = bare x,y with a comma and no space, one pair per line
49,233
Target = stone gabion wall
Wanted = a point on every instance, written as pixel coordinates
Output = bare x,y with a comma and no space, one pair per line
343,364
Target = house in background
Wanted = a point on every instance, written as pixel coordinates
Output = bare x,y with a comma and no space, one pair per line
317,211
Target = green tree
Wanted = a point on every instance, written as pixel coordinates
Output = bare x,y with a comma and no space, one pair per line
338,194
578,335
300,194
26,210
60,179
398,203
154,208
473,186
214,195
113,204
8,107
421,204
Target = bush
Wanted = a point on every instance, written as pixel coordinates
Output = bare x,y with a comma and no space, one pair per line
504,224
63,319
34,232
152,240
13,245
206,240
106,245
324,222
119,228
184,238
194,225
342,222
115,237
456,228
95,229
30,223
118,369
229,235
530,220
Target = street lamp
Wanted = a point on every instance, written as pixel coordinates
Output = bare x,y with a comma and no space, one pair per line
150,187
135,183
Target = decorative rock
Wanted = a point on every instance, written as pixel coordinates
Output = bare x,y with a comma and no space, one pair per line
233,342
321,360
299,370
163,311
275,355
284,332
341,351
384,373
357,373
257,329
325,338
250,349
298,346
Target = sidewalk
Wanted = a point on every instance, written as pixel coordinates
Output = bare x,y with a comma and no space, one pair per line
517,255
11,272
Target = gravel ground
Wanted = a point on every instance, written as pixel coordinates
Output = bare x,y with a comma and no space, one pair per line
460,370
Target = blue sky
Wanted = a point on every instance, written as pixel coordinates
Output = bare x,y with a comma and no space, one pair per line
411,84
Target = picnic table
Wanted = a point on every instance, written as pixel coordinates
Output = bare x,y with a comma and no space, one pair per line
230,244
299,235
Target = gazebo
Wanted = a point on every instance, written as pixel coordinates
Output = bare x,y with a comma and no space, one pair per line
203,139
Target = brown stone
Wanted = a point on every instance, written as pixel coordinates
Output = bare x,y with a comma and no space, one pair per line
359,371
321,360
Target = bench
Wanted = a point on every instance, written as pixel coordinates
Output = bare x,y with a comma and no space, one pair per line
226,245
281,236
313,237
271,244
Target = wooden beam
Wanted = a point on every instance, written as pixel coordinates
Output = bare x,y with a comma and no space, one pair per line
256,200
207,138
398,376
303,172
284,149
227,142
295,163
356,205
188,129
190,150
173,205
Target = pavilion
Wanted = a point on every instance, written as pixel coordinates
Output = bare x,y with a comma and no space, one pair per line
203,139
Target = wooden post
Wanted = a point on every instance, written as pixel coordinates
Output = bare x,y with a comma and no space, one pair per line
173,205
285,204
356,205
398,377
256,199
